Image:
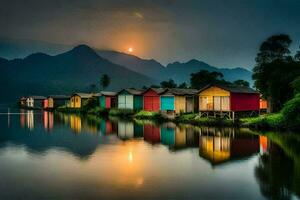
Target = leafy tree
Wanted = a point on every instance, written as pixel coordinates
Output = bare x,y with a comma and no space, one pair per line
275,69
155,86
204,77
104,81
297,56
241,83
168,84
296,85
291,113
183,85
93,88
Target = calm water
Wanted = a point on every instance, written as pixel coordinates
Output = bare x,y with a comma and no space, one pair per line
57,156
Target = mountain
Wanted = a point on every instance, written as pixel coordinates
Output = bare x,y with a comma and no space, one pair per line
150,67
20,48
65,73
180,72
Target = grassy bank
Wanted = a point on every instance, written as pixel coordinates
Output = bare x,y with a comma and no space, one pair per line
265,122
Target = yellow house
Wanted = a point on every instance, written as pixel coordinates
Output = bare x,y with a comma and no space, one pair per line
179,100
55,101
210,98
78,99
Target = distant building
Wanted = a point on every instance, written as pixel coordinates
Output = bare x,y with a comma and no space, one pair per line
130,99
179,100
35,102
107,99
54,101
228,99
152,99
78,99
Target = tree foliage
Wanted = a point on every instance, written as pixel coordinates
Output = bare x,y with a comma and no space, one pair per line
241,83
104,81
275,70
183,85
204,77
168,84
291,113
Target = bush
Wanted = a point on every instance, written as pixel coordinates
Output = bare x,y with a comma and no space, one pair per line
147,115
121,112
268,121
291,113
97,111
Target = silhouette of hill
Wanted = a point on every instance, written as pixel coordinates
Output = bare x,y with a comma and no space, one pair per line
65,73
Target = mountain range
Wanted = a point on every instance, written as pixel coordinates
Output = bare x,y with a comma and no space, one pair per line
77,69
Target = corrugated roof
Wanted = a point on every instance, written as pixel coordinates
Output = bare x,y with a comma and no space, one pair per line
59,96
181,91
232,88
108,93
133,91
83,95
37,97
157,90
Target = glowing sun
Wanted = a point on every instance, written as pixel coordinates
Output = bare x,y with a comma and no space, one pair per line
130,49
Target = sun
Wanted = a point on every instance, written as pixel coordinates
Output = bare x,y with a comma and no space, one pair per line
130,49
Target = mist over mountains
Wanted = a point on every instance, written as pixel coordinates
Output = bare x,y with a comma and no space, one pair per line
77,69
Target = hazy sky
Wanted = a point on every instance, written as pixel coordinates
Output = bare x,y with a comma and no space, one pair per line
225,33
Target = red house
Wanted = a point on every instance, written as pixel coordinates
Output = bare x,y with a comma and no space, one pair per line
228,99
152,99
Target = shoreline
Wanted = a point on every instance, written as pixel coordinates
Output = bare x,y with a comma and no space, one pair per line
261,123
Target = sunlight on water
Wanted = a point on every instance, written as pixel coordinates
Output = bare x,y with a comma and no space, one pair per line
47,155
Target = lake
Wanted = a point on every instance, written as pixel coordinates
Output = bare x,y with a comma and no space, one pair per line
46,155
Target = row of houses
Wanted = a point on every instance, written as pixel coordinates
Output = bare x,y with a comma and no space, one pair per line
171,100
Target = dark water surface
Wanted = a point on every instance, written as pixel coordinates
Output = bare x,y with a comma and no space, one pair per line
58,156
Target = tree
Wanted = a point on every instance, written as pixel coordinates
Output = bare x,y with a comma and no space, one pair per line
183,85
275,69
168,84
297,56
204,77
104,81
93,88
296,85
241,83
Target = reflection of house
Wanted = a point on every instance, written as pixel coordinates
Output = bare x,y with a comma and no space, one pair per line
180,137
263,142
107,99
79,99
167,134
179,100
75,123
30,119
125,130
55,101
152,133
218,146
48,120
152,99
108,127
130,99
230,99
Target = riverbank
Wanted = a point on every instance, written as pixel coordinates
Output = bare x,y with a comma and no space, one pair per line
262,122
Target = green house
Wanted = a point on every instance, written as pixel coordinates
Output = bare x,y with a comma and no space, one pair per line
130,99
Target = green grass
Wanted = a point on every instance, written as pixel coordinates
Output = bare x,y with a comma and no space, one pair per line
195,119
267,121
121,112
146,115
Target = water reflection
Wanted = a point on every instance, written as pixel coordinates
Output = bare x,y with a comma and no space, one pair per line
274,167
